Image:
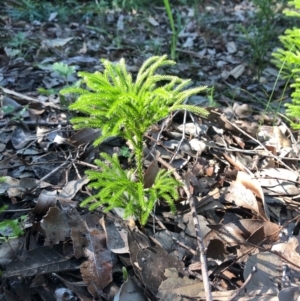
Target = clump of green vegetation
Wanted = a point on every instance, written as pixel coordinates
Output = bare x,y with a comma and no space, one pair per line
9,228
261,33
288,60
120,106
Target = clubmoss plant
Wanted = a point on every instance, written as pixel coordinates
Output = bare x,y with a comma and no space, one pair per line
122,107
288,60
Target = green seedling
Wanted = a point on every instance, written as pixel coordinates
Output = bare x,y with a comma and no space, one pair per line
125,152
16,115
9,228
261,34
120,106
63,70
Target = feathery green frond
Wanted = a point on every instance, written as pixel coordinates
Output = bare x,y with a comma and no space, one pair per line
116,189
113,95
121,106
288,60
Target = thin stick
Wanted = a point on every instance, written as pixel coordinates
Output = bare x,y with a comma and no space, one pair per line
182,138
173,237
259,143
238,291
49,174
199,236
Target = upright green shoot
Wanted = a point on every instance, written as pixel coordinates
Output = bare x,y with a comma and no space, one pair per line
121,106
174,33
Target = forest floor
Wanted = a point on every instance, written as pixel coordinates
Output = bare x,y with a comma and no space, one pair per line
242,161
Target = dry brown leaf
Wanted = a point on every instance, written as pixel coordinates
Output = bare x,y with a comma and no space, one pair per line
151,174
242,110
278,173
255,187
237,71
279,187
96,271
267,265
173,287
55,226
239,195
234,162
116,235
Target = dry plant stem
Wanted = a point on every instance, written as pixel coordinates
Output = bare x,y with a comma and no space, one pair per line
259,143
18,210
233,149
199,236
293,139
238,291
183,134
49,174
182,138
32,123
173,238
87,164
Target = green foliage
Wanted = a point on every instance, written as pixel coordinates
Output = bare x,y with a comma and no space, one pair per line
63,70
125,152
9,228
288,60
114,100
174,33
122,107
16,115
33,10
261,32
18,45
117,188
125,273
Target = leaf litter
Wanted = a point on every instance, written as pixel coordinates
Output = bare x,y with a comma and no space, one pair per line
243,163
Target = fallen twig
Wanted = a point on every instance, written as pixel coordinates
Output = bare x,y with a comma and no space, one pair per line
238,291
174,238
199,236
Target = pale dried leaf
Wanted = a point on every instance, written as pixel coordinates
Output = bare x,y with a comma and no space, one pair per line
152,21
278,173
255,187
239,195
268,266
71,189
55,226
237,71
45,200
174,286
231,47
289,293
59,42
116,236
279,187
130,291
